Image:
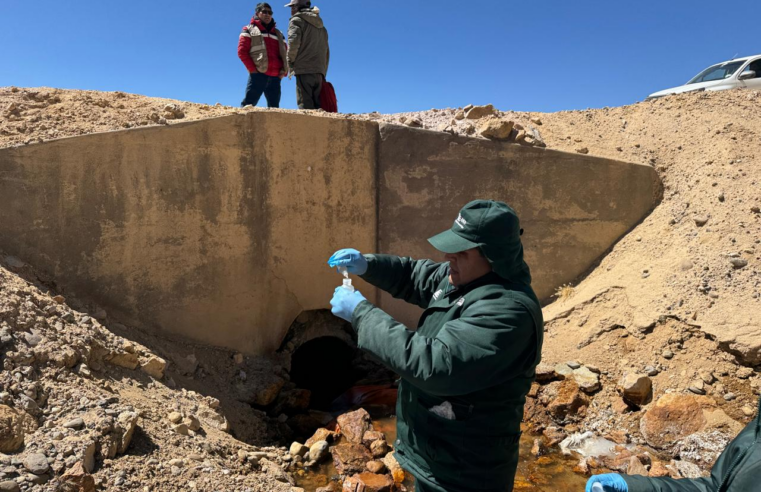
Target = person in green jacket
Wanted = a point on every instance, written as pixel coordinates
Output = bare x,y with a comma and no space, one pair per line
466,370
738,469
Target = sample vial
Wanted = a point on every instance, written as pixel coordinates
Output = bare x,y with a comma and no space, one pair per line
347,281
597,487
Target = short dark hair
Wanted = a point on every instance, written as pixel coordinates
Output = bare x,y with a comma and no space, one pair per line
261,6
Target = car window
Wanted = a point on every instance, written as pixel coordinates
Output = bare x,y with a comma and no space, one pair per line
717,72
754,67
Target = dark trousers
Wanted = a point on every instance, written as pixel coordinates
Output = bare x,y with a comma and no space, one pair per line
258,84
308,90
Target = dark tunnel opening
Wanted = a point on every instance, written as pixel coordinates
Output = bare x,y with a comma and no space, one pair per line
324,367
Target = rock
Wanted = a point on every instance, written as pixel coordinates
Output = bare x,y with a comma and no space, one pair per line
545,373
636,467
636,389
187,365
697,387
36,463
414,123
76,479
700,221
495,128
671,418
537,449
371,436
14,263
748,411
379,448
174,417
730,396
744,372
350,458
588,381
298,449
687,469
354,425
368,482
567,401
318,450
181,429
685,265
755,209
619,406
563,370
658,469
582,150
477,112
293,401
11,430
536,121
738,263
126,359
321,434
261,390
651,371
375,467
9,486
573,364
396,471
667,354
76,423
154,367
193,423
554,435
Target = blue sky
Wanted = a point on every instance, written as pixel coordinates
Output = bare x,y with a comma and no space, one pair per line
389,56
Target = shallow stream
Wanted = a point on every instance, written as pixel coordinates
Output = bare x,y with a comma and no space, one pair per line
550,473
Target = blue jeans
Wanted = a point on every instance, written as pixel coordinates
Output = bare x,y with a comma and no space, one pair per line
258,84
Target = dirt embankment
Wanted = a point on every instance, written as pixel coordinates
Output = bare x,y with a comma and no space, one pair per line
676,301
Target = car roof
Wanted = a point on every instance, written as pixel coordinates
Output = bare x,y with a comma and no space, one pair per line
742,59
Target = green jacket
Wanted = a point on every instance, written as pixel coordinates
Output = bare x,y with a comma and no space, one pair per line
476,347
308,50
738,469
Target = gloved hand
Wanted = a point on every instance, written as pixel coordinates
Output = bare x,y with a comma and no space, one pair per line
352,259
611,482
344,302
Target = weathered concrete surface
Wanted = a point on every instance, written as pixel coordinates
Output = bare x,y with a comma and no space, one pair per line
572,207
219,230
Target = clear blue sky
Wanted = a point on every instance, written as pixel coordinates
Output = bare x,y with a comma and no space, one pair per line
388,56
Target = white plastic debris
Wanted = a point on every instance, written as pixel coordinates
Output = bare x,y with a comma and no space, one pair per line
444,411
587,444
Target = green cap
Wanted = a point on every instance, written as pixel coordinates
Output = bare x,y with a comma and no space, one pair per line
493,227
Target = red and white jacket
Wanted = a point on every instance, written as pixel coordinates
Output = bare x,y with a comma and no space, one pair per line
263,50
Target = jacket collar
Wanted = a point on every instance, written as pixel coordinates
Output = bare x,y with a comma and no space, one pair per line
489,278
258,23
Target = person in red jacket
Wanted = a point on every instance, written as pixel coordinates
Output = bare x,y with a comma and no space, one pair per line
262,49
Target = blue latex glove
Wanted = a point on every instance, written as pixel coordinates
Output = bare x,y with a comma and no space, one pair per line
611,482
344,302
352,259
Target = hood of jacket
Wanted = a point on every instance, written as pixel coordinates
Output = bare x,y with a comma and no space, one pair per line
258,23
311,15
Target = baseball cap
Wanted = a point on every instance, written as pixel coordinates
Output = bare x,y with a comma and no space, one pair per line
493,227
298,3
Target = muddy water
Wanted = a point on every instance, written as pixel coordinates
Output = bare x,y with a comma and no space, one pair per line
550,473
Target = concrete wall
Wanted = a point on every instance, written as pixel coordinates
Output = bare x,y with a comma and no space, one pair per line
572,207
219,230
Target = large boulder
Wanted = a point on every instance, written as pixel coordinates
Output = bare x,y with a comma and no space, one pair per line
11,430
354,425
672,418
477,112
495,128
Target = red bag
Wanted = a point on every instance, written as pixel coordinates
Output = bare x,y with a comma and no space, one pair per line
328,101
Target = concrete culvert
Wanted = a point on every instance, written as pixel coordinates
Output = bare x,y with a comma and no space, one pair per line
324,367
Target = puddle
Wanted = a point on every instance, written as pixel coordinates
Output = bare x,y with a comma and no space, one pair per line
550,473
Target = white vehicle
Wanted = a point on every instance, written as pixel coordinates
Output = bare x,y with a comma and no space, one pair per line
732,74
